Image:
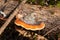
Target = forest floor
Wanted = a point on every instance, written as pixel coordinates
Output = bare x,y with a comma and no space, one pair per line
52,23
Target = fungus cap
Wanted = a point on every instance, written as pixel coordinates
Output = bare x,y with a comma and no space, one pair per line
29,26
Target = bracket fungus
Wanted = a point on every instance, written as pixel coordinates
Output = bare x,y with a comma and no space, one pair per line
29,26
29,17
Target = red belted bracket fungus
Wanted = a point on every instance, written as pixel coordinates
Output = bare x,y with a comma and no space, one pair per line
29,18
29,26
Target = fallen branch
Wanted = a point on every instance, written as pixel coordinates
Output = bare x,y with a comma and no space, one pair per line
10,18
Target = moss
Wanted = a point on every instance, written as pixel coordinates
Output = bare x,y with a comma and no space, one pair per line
58,4
59,35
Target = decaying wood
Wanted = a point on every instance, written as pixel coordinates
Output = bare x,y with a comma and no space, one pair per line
7,22
9,7
51,30
50,25
2,3
32,14
27,34
52,15
10,18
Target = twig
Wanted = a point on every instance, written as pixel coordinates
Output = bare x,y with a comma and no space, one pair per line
10,18
50,31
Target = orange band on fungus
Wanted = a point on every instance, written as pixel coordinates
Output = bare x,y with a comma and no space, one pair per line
29,27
